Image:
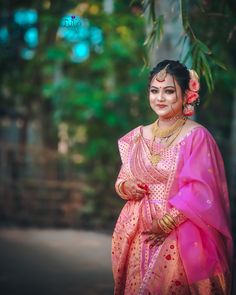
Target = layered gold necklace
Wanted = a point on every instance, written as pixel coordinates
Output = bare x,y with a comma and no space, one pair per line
168,133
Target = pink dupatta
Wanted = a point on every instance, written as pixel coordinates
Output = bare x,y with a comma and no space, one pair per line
205,241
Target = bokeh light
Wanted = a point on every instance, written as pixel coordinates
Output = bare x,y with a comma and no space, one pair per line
25,17
80,52
31,37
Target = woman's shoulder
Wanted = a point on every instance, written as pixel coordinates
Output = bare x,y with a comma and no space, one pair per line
130,135
198,133
190,127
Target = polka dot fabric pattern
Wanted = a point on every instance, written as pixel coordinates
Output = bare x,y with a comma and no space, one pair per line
185,184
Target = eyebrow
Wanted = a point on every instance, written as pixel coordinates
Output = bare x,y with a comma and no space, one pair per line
170,86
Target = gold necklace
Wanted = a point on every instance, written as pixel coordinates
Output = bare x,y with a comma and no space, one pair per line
168,131
155,158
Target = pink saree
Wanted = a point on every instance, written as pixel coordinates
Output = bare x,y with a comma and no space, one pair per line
189,183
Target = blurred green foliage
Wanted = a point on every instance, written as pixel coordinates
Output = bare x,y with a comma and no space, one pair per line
106,96
214,24
99,99
199,21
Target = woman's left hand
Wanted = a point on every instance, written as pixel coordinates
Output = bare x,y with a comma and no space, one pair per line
156,234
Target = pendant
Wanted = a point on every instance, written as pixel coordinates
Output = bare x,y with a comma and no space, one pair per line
155,159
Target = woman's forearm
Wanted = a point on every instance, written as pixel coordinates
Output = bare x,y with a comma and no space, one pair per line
177,216
122,177
119,187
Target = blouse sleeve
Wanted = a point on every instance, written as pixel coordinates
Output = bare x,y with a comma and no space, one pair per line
124,146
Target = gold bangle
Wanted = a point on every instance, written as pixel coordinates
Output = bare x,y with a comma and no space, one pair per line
163,226
120,191
119,187
168,225
168,222
160,225
170,218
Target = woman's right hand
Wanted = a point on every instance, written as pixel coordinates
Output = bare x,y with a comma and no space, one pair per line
134,189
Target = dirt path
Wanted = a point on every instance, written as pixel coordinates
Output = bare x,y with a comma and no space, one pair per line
55,262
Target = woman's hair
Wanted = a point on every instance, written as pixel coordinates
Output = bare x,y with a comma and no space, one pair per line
176,69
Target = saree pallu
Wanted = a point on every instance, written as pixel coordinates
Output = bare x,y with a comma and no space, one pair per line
196,257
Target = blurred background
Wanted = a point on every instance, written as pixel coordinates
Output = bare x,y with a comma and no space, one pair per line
73,80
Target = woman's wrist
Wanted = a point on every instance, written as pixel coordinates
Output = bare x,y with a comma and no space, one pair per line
120,189
178,216
167,223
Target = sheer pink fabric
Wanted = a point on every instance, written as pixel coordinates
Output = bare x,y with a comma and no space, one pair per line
205,242
190,179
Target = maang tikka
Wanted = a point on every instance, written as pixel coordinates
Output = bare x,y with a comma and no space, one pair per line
160,77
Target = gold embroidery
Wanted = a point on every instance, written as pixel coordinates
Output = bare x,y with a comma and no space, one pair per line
218,284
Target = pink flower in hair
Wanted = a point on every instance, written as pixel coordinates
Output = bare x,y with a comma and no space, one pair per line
194,85
191,96
188,110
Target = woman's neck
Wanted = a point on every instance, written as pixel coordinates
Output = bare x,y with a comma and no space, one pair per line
167,122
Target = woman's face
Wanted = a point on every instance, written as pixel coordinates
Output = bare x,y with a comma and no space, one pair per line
166,97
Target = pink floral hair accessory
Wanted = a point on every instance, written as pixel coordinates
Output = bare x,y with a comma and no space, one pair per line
194,81
194,85
188,110
191,95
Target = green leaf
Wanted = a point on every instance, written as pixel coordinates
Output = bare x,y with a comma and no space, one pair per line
152,9
198,64
189,53
219,63
184,14
200,54
195,54
204,47
149,5
156,32
207,72
160,28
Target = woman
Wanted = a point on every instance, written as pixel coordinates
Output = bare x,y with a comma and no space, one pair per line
173,234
